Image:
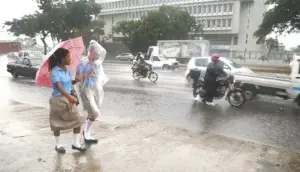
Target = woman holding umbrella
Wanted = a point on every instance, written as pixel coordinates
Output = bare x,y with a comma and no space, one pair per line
63,111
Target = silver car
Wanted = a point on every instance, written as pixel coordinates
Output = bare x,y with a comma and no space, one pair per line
125,56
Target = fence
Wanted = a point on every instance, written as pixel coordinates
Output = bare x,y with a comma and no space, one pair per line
274,58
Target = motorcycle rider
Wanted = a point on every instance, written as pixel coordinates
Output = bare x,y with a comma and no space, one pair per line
213,71
141,63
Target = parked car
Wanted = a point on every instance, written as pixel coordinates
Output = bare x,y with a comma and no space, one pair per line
201,63
31,54
24,67
125,56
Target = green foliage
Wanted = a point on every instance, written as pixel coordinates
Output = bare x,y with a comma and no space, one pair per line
285,16
167,23
272,44
61,21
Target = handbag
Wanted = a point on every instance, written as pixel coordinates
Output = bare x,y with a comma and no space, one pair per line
73,93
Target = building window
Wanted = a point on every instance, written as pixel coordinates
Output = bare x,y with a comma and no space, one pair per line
199,9
213,23
195,10
204,9
229,22
224,22
225,8
235,40
214,8
203,23
208,23
219,23
190,10
230,7
247,26
219,8
209,9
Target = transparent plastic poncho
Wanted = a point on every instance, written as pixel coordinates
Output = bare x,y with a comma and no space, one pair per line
90,88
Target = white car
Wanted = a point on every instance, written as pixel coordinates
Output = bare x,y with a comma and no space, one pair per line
163,63
125,56
201,63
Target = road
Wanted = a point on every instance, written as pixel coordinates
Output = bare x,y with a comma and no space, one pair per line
266,120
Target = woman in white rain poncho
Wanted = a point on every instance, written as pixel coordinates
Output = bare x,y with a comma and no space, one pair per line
92,77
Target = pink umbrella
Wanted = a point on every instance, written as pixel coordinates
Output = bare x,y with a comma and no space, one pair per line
76,48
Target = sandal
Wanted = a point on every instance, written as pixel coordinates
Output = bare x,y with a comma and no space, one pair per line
89,141
80,149
60,149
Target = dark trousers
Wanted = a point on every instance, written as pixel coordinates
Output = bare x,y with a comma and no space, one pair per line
210,87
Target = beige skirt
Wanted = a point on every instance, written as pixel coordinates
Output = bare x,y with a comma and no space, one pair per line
64,115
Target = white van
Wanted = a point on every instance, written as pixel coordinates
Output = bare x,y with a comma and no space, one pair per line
201,63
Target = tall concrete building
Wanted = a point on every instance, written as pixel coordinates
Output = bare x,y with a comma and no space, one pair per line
228,24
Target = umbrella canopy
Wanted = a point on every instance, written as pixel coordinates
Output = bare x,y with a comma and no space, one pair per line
76,48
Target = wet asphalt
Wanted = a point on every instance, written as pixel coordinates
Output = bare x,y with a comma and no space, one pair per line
267,120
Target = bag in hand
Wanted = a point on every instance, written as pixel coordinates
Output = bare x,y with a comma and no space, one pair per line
73,93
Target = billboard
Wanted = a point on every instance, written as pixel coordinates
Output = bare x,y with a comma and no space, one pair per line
183,48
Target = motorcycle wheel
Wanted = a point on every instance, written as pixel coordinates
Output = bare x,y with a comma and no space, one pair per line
136,75
197,90
153,77
236,98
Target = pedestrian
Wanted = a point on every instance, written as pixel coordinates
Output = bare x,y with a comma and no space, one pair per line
64,114
92,78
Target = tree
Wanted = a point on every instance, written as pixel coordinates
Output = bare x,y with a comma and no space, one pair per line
93,31
128,29
272,44
61,21
285,16
166,23
31,26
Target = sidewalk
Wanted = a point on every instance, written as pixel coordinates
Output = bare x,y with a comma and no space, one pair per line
258,68
127,145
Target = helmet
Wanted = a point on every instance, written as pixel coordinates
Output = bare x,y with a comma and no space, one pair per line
215,57
141,55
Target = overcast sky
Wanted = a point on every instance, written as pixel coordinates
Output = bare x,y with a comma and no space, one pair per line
10,9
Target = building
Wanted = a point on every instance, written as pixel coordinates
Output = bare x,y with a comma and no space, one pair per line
228,24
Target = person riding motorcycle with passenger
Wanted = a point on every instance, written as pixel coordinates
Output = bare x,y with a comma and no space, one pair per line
213,71
141,63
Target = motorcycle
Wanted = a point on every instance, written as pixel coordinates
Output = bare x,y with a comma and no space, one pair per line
235,96
138,73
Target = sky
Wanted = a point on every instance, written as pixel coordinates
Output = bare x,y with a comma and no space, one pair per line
10,9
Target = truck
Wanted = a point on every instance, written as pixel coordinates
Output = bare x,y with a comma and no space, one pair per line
284,87
167,52
9,46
